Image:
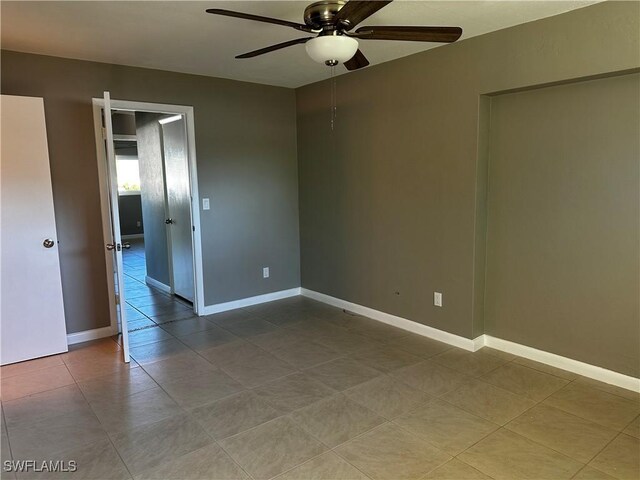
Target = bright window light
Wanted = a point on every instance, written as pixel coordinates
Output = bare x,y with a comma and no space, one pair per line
128,172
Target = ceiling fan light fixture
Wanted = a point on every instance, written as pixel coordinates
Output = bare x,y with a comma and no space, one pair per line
331,49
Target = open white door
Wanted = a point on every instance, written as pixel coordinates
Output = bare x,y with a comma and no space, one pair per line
32,320
116,244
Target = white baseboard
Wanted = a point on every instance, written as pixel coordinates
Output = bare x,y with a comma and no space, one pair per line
472,345
133,236
564,363
478,343
247,302
456,340
87,335
152,282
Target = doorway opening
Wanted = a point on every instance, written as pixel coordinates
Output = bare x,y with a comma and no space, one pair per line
146,156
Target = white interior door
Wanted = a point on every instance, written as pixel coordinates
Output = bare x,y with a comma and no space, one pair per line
180,226
116,244
32,320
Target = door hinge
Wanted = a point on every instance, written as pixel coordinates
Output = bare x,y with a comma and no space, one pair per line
104,133
117,299
193,227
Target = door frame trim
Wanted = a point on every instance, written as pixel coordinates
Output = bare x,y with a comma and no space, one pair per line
187,111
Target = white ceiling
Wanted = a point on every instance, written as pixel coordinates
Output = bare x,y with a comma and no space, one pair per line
179,36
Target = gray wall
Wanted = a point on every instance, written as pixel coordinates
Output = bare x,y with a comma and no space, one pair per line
246,147
563,238
152,189
123,123
130,208
393,199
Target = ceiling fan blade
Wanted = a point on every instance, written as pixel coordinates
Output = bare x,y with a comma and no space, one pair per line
357,61
414,34
355,11
258,18
273,48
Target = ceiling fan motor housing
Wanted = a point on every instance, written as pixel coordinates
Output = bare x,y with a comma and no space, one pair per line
320,15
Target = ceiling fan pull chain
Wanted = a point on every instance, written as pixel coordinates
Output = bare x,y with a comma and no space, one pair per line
334,108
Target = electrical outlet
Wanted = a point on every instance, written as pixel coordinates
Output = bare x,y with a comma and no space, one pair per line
265,272
138,223
437,299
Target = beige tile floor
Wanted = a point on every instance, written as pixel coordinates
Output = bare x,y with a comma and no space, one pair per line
295,389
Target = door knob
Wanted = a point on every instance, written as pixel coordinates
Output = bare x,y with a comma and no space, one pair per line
48,243
110,246
126,245
169,221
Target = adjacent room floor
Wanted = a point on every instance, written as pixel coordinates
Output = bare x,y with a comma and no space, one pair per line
296,389
147,306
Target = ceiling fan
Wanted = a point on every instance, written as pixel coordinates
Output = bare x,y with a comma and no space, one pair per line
333,21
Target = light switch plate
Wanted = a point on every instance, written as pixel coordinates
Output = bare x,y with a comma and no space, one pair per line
205,204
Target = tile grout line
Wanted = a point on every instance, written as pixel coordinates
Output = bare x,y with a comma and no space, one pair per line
368,430
33,370
47,389
232,459
450,404
330,450
334,449
105,431
588,419
503,427
76,384
628,424
4,423
602,450
213,441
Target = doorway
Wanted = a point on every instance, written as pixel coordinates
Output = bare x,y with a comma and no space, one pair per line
146,155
